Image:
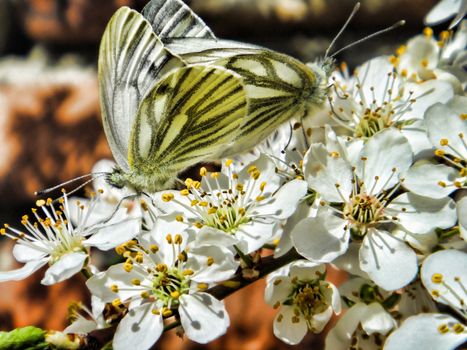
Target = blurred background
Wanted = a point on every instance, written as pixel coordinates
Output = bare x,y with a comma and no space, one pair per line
50,127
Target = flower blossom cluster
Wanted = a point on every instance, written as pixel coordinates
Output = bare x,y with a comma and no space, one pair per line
376,189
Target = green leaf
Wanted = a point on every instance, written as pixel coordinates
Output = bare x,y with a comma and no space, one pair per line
26,338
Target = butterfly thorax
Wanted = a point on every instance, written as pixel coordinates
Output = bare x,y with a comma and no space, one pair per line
139,182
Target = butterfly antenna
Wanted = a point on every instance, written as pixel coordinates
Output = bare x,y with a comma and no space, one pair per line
289,140
51,189
379,32
352,14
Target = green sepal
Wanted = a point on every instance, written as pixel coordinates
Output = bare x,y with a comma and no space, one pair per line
26,338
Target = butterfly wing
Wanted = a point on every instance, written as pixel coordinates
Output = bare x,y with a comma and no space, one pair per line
189,116
278,88
174,19
131,58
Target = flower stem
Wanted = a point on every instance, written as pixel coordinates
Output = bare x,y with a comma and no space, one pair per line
86,273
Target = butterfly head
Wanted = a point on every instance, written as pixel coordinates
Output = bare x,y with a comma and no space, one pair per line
117,178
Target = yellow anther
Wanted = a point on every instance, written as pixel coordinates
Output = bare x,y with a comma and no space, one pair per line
241,211
178,239
215,175
154,248
443,329
280,318
203,171
442,183
439,153
203,204
187,272
437,278
198,224
463,116
179,218
435,293
100,190
161,267
424,63
116,302
168,238
401,50
444,35
49,201
182,256
343,66
276,242
196,184
194,202
260,198
25,218
458,328
114,288
127,267
167,312
335,154
175,294
203,286
145,295
185,192
277,282
394,60
276,305
188,182
139,258
228,162
127,254
235,176
40,202
295,319
404,73
444,142
239,187
135,282
167,197
2,232
255,174
428,32
212,210
156,311
262,186
458,184
210,261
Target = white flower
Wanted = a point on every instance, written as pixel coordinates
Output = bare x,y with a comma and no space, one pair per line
246,206
446,9
53,240
376,98
447,131
360,206
306,301
163,280
444,275
462,215
427,331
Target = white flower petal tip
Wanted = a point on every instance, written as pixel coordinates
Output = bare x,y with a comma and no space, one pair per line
427,331
67,266
140,327
444,275
23,272
390,262
289,328
203,317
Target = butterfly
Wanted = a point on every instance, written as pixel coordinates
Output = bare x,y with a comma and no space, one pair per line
278,86
160,114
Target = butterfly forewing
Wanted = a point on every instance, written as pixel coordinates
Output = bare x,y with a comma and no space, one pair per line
174,19
131,58
190,115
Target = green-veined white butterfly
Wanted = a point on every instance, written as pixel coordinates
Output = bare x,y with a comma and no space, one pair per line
160,114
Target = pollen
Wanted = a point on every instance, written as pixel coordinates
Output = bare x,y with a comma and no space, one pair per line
443,329
185,192
428,32
458,328
444,142
203,171
437,278
40,202
154,248
210,261
135,282
167,197
114,288
175,294
167,312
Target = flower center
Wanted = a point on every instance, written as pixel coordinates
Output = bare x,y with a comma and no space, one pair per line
168,284
374,120
363,211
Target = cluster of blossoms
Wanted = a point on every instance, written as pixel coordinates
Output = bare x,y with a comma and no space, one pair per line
376,189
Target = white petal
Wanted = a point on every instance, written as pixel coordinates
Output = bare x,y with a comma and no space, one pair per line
420,215
115,233
350,261
442,11
385,151
444,123
140,329
323,172
284,202
377,320
421,332
253,235
452,265
223,267
462,215
423,179
415,133
373,75
203,317
268,174
81,326
289,332
277,289
339,337
212,236
68,265
25,271
319,321
426,94
305,270
321,239
390,263
24,253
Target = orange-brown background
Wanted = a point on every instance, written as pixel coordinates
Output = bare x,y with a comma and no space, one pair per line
50,129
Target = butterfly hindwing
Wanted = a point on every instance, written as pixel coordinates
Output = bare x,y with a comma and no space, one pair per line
131,59
190,115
